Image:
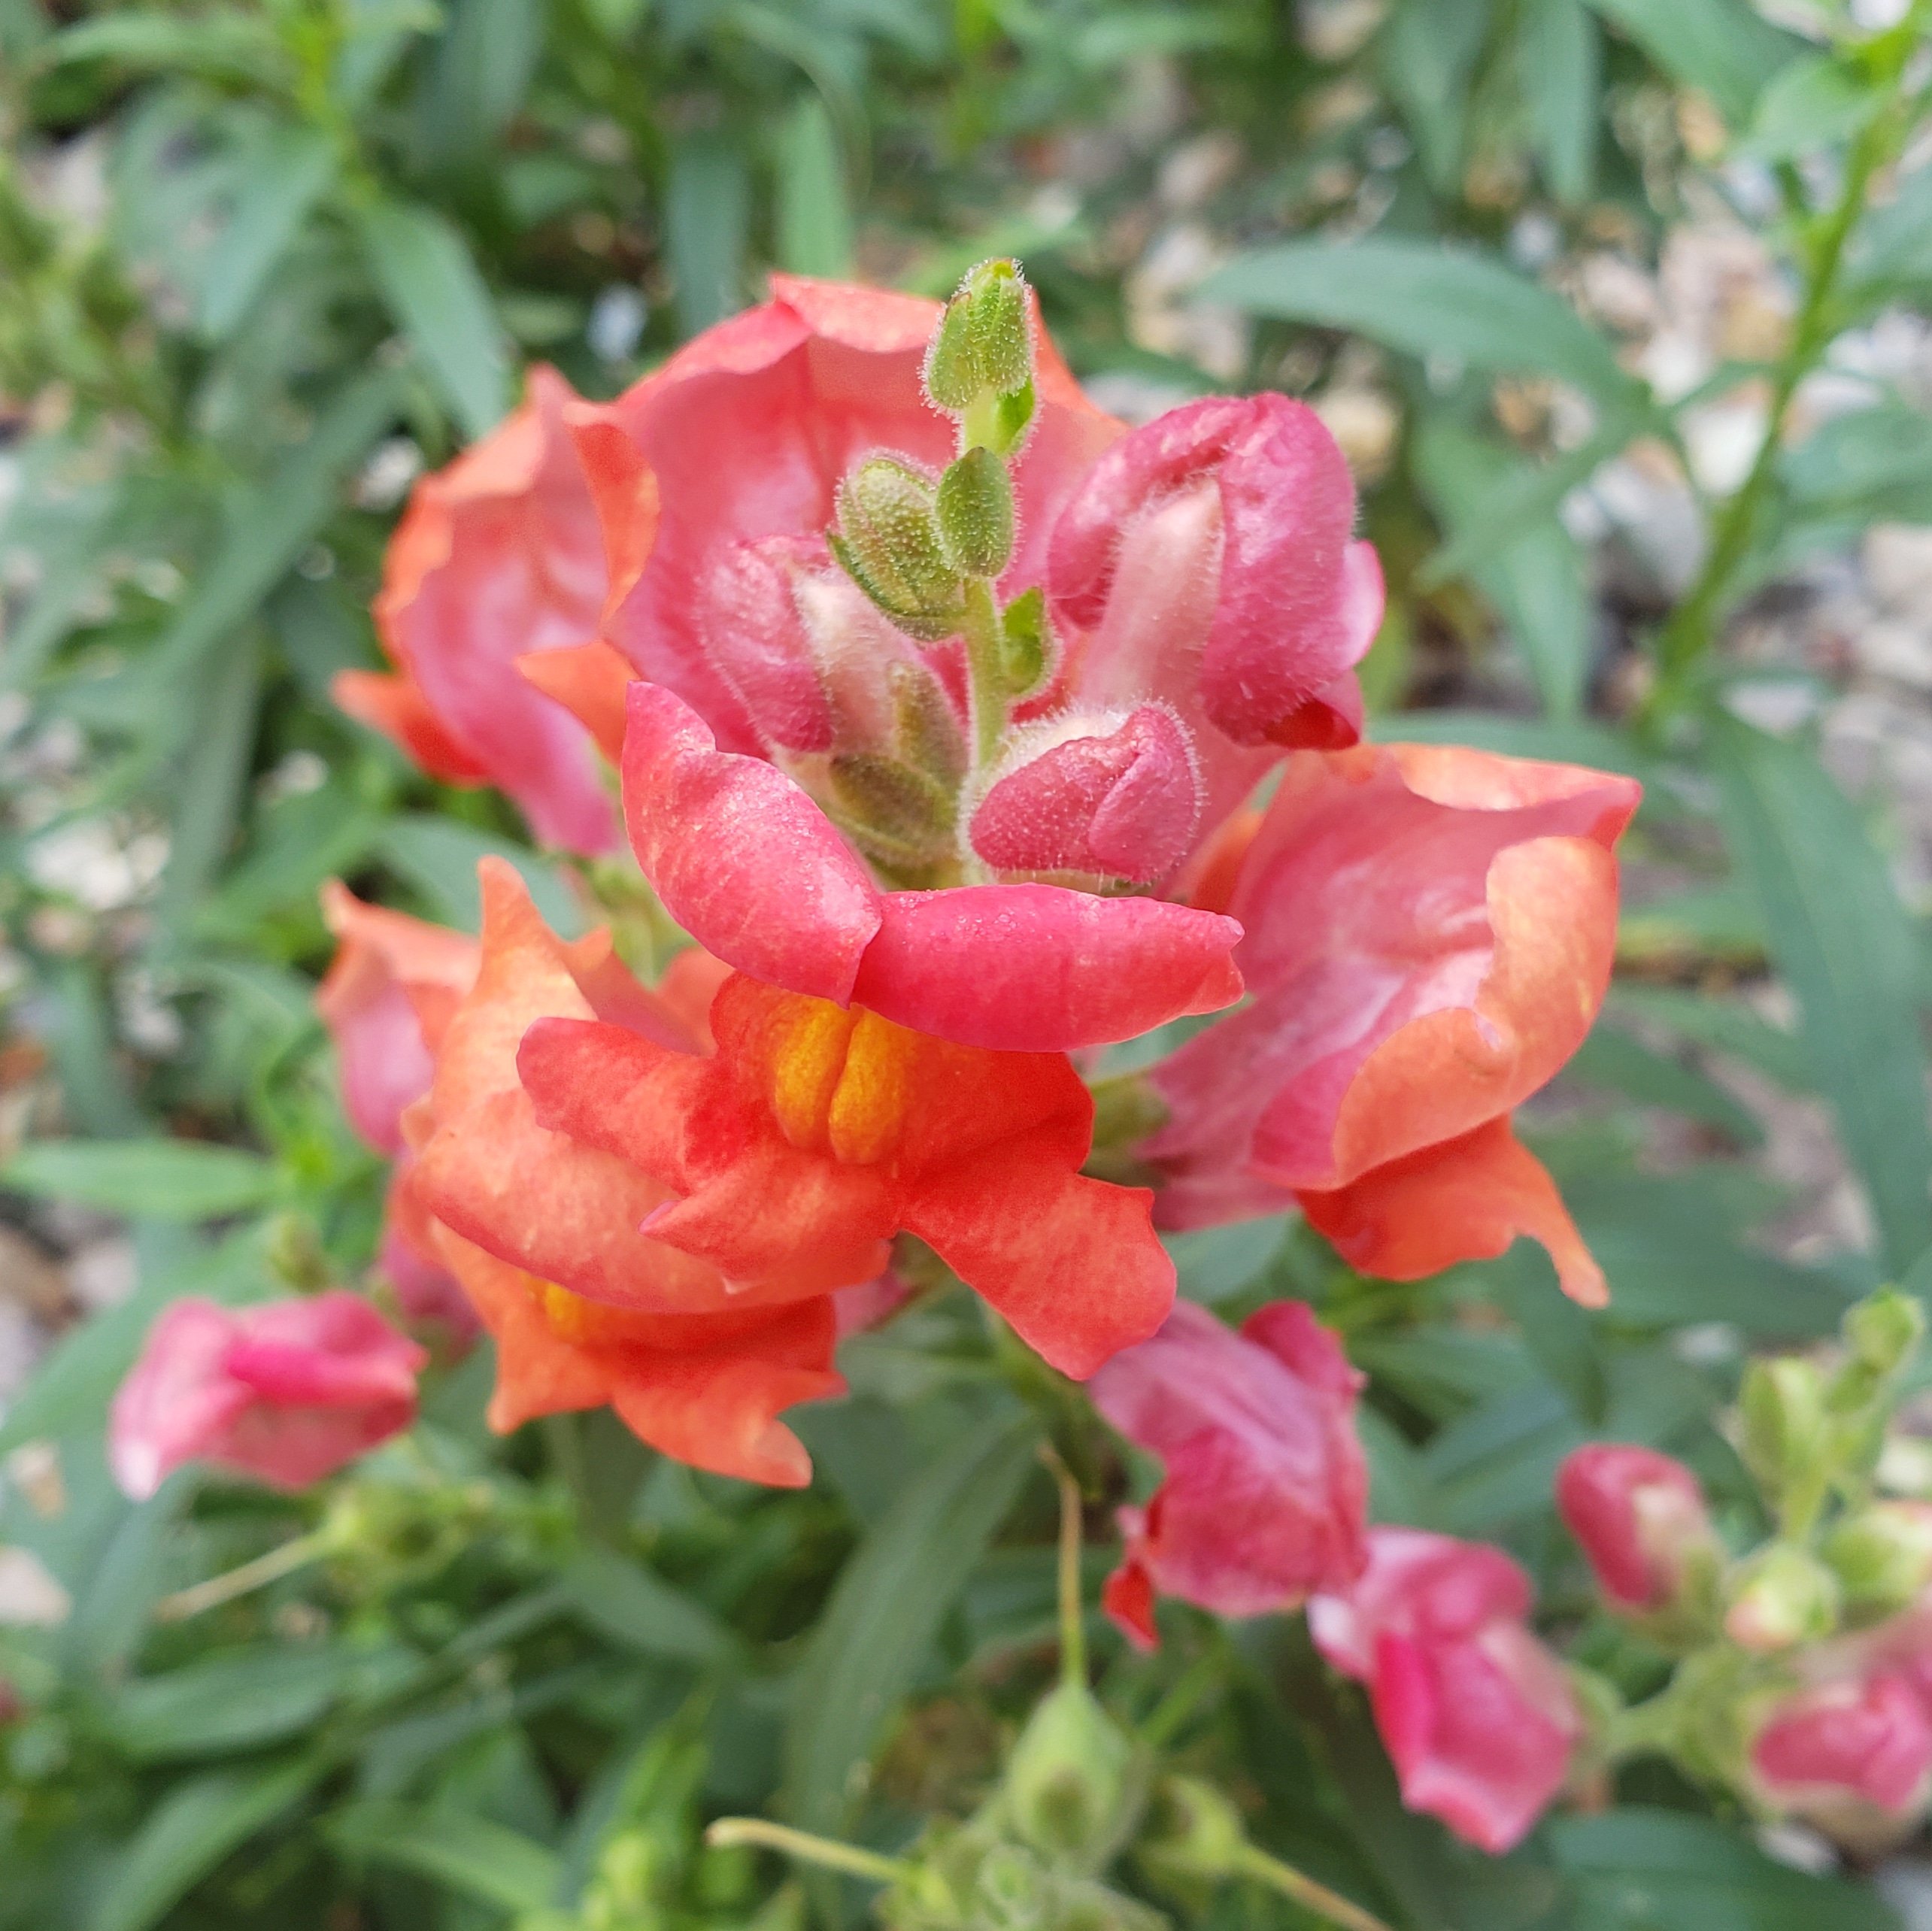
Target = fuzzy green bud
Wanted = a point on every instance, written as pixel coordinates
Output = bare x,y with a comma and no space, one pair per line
1882,1334
888,542
980,367
899,802
975,505
1072,1784
925,729
1781,1412
1882,1556
1782,1597
1026,644
1197,1834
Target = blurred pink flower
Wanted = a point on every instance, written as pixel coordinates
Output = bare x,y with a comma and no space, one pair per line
1266,1484
1478,1717
286,1393
1638,1518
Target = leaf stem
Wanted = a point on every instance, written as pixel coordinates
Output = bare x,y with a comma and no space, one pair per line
251,1575
1692,627
826,1852
1072,1613
1303,1890
986,673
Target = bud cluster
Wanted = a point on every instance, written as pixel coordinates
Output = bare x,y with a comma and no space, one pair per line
1803,1666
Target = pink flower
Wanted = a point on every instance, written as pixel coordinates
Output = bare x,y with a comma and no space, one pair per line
1427,937
1263,1498
1864,1741
1478,1718
1638,1518
499,556
286,1393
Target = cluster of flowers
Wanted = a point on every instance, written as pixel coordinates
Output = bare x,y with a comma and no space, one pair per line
1802,1677
940,704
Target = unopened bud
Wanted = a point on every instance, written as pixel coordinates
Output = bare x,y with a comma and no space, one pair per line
980,367
1197,1833
1026,645
895,802
1882,1556
888,541
1884,1328
1072,1784
926,728
1112,798
975,505
1783,1597
1638,1518
1781,1411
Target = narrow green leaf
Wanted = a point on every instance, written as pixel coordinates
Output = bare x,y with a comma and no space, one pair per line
479,71
1429,52
1560,52
1723,1025
1725,48
193,1829
706,216
1610,1058
885,1612
1809,106
219,1703
221,42
439,856
1427,300
1844,945
161,1180
814,211
295,169
430,280
625,1602
1537,582
460,1852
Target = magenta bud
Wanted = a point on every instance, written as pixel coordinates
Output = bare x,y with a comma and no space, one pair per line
1120,802
1639,1518
756,637
1295,602
1864,1741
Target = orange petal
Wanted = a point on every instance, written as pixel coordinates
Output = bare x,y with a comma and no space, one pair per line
1467,1199
394,706
588,680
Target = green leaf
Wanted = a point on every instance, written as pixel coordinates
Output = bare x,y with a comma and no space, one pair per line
221,43
1870,465
1642,1869
1722,1024
1429,52
1810,105
429,280
814,211
1725,48
439,856
228,1702
295,169
161,1180
885,1612
1561,54
477,75
1537,582
1844,946
1610,1058
707,213
624,1601
460,1852
1214,1264
192,1830
1893,243
1427,300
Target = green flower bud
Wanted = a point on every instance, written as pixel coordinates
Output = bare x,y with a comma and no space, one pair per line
1781,1411
1073,1786
1782,1597
980,367
1026,644
975,505
888,542
925,730
1197,1835
895,802
1885,1328
1882,1556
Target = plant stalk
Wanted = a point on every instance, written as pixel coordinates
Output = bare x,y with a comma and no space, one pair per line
1303,1890
826,1852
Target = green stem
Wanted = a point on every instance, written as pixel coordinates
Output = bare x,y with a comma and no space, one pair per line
986,673
1072,1617
252,1575
826,1852
1691,628
1303,1890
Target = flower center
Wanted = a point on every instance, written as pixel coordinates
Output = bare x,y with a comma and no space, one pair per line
839,1081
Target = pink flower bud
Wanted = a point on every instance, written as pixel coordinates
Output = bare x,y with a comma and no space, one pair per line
1122,804
1250,504
287,1393
1638,1518
756,637
1868,1738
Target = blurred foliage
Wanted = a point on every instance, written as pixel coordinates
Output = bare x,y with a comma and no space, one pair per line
259,263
